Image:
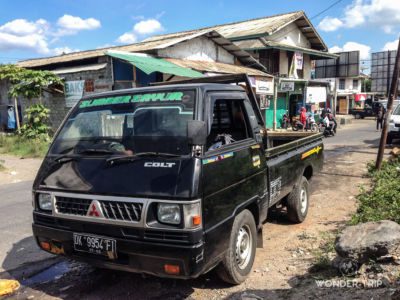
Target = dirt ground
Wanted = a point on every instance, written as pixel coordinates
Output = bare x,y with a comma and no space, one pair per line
18,169
284,269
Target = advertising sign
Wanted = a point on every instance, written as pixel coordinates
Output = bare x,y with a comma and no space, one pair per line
286,86
73,91
264,87
316,94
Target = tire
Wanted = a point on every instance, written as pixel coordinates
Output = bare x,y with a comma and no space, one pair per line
314,127
294,128
357,116
389,140
298,202
239,258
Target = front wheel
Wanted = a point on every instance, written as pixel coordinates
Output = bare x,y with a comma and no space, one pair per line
314,127
239,258
298,201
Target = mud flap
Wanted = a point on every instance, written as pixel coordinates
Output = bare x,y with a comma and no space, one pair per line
260,241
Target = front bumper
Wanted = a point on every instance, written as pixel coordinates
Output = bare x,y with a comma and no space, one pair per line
134,254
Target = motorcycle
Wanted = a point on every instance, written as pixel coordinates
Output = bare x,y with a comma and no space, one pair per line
326,130
285,121
310,125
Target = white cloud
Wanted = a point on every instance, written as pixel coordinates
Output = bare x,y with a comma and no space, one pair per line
34,36
141,28
21,34
127,38
382,13
330,24
365,50
76,23
148,26
390,45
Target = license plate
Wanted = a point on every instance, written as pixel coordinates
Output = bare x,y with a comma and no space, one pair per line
96,245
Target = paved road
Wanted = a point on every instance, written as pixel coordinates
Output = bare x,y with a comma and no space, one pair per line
360,132
17,245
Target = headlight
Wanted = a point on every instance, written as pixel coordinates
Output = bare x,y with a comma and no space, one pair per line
169,213
44,202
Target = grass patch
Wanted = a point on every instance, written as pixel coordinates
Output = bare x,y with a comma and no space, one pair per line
382,200
23,147
322,255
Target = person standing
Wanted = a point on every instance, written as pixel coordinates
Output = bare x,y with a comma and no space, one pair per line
303,117
379,118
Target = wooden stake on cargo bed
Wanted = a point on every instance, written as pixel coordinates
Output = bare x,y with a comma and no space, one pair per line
392,95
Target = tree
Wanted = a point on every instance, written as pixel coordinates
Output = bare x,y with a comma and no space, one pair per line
28,83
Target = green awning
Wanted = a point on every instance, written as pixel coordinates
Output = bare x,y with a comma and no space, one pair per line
150,64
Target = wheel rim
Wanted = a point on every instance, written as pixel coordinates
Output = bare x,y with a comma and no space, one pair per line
303,200
244,245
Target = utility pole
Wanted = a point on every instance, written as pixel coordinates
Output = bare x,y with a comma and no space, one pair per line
392,95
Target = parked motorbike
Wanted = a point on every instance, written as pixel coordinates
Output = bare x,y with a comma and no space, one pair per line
285,121
310,125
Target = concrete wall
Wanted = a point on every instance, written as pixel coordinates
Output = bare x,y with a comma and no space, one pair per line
349,85
199,49
102,80
290,35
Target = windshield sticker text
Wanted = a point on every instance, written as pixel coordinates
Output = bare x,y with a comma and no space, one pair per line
138,98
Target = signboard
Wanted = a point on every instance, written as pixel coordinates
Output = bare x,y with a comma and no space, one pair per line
286,86
348,65
382,67
298,58
360,97
264,87
73,91
316,94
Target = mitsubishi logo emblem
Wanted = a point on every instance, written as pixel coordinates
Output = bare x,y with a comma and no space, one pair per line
95,210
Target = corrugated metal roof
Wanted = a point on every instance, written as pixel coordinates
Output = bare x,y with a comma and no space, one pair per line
215,67
77,69
263,43
150,46
149,64
259,27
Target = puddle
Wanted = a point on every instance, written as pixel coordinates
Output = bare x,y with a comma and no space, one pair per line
52,273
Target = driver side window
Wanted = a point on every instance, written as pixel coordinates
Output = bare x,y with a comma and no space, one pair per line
228,125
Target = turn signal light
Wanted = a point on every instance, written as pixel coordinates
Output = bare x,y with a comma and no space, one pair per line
45,246
196,220
171,269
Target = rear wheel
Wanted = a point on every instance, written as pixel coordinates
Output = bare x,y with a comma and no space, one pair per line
298,201
239,258
389,140
358,116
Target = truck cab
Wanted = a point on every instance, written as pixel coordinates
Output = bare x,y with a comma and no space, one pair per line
170,180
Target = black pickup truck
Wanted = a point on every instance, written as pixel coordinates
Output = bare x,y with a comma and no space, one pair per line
170,180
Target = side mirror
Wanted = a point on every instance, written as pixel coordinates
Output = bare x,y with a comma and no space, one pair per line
197,132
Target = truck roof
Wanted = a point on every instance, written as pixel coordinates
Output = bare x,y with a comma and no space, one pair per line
203,86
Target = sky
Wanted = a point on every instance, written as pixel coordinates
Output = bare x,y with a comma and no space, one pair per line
30,29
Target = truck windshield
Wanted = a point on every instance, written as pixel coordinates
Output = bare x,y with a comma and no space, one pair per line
128,124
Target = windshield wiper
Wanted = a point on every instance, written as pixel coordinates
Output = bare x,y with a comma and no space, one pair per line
131,158
95,151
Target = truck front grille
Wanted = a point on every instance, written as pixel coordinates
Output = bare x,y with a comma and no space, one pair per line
112,210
